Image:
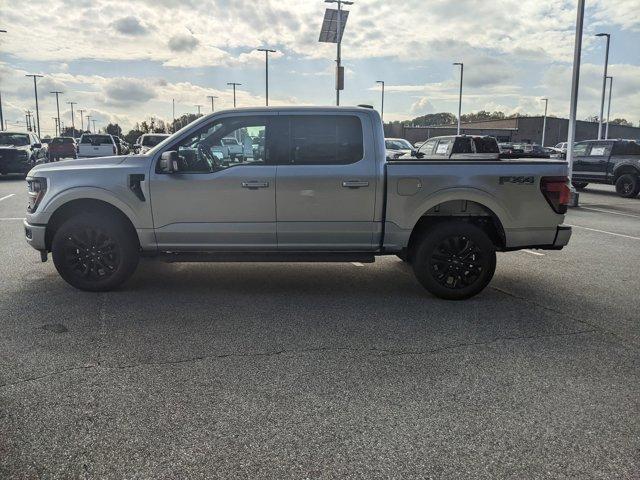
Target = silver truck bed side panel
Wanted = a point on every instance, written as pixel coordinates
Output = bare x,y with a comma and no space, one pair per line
510,189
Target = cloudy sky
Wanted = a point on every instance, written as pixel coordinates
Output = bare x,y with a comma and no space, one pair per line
124,61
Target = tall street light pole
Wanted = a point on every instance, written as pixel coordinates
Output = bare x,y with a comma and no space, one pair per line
56,93
381,82
212,98
35,90
339,45
544,121
81,111
73,124
575,80
606,132
604,81
460,97
266,71
234,84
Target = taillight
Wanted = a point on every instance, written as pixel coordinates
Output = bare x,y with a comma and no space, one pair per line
557,192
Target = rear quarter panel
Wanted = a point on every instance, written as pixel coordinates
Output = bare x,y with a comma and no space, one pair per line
413,188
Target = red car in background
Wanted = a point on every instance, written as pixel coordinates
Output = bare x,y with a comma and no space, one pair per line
62,147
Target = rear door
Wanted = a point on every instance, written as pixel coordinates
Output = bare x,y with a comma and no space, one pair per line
326,181
596,160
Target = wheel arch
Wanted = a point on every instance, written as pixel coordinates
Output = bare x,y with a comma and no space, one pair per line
624,169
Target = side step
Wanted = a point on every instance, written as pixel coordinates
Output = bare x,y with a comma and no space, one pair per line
175,257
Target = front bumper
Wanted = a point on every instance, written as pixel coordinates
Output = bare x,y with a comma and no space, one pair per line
35,235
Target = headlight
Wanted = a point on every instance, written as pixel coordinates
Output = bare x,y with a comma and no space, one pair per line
37,187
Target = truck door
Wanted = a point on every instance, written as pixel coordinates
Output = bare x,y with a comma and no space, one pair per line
216,201
597,159
326,182
581,168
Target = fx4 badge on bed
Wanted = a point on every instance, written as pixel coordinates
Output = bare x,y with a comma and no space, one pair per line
517,180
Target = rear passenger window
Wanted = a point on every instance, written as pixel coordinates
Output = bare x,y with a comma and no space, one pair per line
462,145
326,140
486,145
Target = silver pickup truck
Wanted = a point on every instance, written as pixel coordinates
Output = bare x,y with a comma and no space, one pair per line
319,189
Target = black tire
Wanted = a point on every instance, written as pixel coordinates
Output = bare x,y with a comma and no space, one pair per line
95,252
580,185
403,256
454,260
628,185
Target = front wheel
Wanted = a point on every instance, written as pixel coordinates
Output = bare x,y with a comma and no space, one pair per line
94,252
455,260
628,185
580,185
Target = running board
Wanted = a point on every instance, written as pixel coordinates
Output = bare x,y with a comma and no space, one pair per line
316,257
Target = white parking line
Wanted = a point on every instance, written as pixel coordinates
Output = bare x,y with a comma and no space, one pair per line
357,264
611,212
8,196
604,231
11,218
532,252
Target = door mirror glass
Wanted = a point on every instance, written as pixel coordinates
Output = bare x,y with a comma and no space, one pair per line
169,162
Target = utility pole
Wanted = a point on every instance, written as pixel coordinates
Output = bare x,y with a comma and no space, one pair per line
575,80
73,124
55,121
381,82
1,116
35,89
81,111
606,132
234,91
88,123
339,70
94,126
212,97
57,106
544,121
198,107
460,97
173,115
266,71
604,81
27,118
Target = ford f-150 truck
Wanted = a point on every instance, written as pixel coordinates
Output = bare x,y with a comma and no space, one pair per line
614,162
320,190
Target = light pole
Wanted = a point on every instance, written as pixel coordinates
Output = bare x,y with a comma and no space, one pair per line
73,124
81,119
88,123
1,116
606,132
234,91
544,120
212,98
35,90
381,82
198,107
604,81
266,71
55,121
575,80
338,45
94,126
460,97
57,107
28,118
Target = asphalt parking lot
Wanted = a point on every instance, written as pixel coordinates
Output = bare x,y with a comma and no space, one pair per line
326,370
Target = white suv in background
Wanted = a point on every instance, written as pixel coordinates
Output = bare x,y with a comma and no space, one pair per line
97,145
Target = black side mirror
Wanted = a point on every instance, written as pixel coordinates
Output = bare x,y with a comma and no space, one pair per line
36,145
414,152
169,162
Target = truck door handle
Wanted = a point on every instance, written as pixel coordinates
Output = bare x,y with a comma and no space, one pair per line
254,184
355,184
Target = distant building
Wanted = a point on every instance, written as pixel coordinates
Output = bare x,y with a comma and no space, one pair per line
517,129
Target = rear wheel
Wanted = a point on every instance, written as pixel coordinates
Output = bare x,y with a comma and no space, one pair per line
628,185
580,185
94,252
455,260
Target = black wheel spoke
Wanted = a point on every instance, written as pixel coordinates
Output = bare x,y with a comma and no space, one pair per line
91,253
456,262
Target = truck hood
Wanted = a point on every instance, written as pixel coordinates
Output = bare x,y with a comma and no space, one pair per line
13,147
78,164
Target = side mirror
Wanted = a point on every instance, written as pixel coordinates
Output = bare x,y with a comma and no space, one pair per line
37,145
169,162
414,152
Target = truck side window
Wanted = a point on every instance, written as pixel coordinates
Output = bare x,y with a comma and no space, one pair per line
580,148
427,147
325,140
224,143
443,146
599,149
462,145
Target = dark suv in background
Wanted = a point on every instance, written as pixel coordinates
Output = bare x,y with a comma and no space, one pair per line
612,162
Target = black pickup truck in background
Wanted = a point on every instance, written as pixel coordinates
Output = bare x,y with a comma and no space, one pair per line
612,162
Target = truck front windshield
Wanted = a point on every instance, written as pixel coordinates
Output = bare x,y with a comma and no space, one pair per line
16,140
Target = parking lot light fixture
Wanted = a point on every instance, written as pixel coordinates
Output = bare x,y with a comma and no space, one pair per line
381,82
604,81
460,96
212,98
35,90
266,71
544,120
339,85
234,84
606,132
